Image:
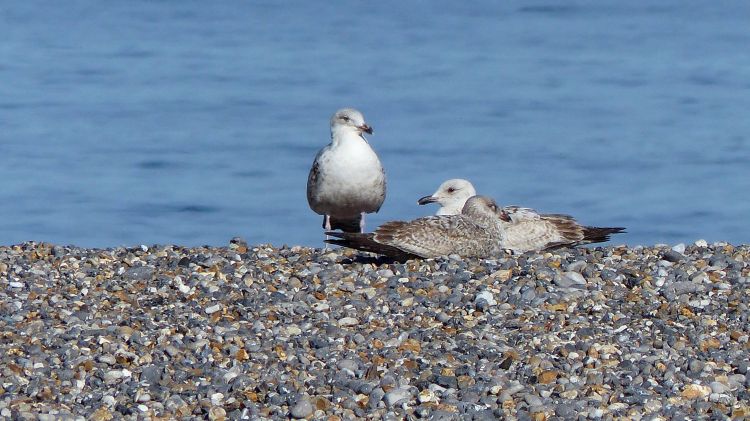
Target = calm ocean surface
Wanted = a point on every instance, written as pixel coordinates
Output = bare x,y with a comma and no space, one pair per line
142,122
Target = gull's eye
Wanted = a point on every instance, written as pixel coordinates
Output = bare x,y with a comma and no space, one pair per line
345,118
451,189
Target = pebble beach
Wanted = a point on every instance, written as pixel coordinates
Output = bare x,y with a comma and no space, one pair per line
264,332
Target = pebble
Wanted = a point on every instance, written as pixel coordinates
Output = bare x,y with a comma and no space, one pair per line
487,297
679,248
264,332
302,409
348,321
569,279
397,396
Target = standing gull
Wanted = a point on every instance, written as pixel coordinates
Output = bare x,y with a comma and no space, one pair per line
475,232
346,179
524,229
451,196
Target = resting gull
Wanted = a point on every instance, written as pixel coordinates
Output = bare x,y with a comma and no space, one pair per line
525,229
346,179
475,232
451,196
528,230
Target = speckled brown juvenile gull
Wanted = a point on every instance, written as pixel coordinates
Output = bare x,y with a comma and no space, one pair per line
476,232
524,229
346,179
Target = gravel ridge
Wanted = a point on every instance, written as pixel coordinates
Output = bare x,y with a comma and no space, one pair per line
265,332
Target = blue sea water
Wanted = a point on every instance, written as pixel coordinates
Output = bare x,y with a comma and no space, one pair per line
187,122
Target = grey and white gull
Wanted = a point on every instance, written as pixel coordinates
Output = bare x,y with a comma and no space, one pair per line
524,229
346,180
475,232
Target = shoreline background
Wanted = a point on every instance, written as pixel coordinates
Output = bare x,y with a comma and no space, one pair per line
153,122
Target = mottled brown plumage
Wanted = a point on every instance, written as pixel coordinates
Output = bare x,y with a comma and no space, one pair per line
524,229
473,233
531,231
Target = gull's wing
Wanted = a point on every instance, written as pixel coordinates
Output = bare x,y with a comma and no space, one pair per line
540,234
435,236
519,214
365,242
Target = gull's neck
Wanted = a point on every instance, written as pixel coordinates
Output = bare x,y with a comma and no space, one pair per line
487,220
345,134
453,207
450,208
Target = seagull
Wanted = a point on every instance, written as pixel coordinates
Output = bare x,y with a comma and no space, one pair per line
475,232
346,180
524,229
451,196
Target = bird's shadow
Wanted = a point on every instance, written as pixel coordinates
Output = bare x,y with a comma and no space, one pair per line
376,260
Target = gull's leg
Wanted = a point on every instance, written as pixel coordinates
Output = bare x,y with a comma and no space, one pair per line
362,223
327,227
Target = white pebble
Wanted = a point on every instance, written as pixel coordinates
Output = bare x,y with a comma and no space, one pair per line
617,406
213,309
427,395
575,278
652,405
112,375
701,243
320,306
596,413
679,248
293,330
719,387
217,398
397,396
486,296
348,321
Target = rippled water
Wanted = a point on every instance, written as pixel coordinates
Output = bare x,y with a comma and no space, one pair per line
193,122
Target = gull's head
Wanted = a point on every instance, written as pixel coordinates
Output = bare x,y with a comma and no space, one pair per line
481,206
349,119
451,195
